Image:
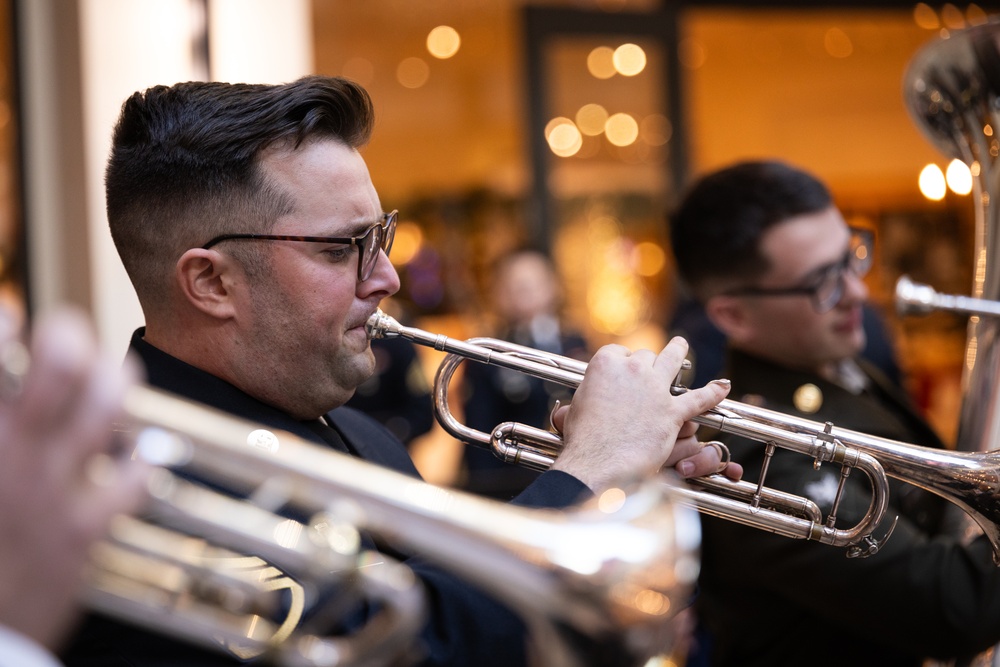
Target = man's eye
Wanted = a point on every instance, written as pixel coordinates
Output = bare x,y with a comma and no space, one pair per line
827,277
339,253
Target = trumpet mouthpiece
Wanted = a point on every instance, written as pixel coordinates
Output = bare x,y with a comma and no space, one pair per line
380,325
914,298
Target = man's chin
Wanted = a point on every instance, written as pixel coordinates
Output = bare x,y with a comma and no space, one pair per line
361,367
860,342
357,338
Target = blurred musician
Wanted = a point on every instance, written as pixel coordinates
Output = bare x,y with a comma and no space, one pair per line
765,249
527,297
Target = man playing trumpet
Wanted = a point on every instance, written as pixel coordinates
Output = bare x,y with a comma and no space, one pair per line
256,242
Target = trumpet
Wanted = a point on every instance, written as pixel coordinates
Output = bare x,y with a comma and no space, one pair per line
969,480
914,298
616,568
750,504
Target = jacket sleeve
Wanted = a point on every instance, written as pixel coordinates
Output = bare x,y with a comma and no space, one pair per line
469,627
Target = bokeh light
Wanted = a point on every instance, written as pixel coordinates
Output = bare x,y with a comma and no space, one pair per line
359,69
413,73
649,258
443,42
691,53
409,238
591,119
837,43
611,500
629,59
925,16
932,183
952,17
621,129
976,15
563,137
656,129
600,62
959,177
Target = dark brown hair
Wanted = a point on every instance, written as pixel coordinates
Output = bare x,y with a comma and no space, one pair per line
185,162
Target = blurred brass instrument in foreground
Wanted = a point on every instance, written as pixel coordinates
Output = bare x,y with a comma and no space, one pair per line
615,569
750,504
182,581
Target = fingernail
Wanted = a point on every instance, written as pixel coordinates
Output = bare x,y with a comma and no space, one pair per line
552,414
685,468
722,382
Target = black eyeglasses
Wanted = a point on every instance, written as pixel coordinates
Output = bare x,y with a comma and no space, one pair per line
827,288
378,237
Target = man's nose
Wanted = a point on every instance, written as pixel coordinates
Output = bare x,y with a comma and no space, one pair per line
854,287
383,278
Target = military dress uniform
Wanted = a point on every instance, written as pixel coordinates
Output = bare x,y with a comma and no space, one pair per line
771,600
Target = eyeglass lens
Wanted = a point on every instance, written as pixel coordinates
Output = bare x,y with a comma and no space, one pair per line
830,288
379,237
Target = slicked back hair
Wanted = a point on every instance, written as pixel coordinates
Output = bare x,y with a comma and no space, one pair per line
716,230
185,163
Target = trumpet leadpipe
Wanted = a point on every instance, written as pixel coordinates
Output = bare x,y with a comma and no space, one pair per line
920,299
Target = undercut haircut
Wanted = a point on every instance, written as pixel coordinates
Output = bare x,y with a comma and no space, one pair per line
716,229
185,164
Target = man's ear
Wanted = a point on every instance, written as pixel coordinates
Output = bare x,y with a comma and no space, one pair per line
728,314
205,278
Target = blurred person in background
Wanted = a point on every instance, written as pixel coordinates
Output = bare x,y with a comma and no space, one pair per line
526,296
708,344
766,251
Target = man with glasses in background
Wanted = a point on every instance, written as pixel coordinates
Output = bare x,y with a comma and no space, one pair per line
779,272
256,242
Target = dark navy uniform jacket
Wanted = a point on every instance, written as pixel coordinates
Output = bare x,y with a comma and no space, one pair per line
465,627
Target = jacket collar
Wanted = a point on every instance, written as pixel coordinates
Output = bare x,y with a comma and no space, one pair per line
169,373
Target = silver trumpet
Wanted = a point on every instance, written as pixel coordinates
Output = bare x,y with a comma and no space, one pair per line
970,480
914,298
750,504
615,568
